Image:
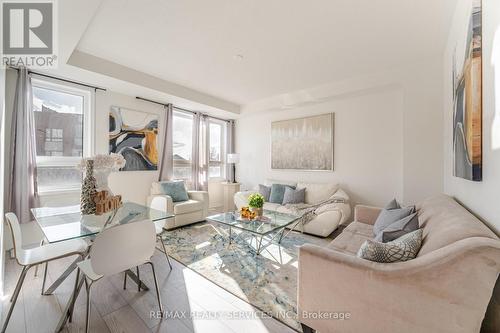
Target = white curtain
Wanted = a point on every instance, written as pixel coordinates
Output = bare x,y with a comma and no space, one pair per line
201,151
166,156
230,147
22,190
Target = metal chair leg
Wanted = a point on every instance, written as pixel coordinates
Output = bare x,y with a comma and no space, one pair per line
73,300
165,251
156,287
44,277
87,315
18,284
14,297
139,278
124,280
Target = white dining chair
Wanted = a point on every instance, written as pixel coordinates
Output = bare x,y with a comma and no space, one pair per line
32,257
116,250
159,231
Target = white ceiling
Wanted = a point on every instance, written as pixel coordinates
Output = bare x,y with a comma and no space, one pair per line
286,44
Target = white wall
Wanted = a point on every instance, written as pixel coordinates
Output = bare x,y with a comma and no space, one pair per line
480,197
387,133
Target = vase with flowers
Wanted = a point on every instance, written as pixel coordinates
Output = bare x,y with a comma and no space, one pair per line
103,166
256,202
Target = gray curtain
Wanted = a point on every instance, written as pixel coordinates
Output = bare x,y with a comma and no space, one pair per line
22,185
166,158
201,151
230,148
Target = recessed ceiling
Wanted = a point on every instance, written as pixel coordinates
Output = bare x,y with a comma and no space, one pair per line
243,51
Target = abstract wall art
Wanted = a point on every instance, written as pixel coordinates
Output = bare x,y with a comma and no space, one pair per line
467,99
303,144
133,134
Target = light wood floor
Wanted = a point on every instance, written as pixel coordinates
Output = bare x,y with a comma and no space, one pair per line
118,310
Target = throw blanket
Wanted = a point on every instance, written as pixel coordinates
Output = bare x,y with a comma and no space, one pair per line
309,212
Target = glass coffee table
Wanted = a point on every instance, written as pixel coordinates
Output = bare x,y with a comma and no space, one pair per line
265,230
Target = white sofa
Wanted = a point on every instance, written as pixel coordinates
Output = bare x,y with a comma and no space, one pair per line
186,212
328,218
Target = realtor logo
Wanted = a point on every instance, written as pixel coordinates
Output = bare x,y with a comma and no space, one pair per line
28,30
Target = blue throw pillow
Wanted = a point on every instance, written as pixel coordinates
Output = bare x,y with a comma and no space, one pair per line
175,189
278,192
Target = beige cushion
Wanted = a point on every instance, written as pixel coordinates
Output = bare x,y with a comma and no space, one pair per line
188,206
316,193
445,221
348,242
271,206
360,228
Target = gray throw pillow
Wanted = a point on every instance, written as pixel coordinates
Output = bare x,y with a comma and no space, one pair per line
389,215
393,204
294,196
175,189
399,228
278,192
402,249
265,191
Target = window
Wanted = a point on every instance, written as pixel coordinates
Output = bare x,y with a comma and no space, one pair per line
63,134
182,145
217,149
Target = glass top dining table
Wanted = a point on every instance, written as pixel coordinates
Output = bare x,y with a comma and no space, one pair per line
64,223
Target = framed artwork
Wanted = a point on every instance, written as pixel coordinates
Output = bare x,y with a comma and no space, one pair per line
133,134
467,99
303,144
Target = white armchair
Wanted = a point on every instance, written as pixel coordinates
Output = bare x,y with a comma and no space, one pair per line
186,212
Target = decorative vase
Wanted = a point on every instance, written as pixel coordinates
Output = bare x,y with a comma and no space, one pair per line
101,176
258,211
87,203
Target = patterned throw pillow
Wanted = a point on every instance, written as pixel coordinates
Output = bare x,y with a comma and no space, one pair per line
265,191
404,248
175,189
294,196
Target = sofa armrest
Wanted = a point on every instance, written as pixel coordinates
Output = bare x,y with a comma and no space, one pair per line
241,198
343,208
161,202
366,214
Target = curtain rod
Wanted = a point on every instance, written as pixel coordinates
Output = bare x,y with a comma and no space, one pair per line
179,108
61,79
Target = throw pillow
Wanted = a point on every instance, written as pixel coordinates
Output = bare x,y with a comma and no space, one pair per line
398,229
402,249
390,214
278,192
292,196
175,189
265,191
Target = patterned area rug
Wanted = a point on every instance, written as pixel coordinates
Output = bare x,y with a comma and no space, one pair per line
267,281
